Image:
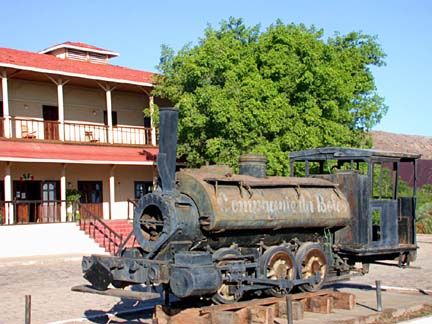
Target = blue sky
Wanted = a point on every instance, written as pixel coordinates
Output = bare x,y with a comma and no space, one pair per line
136,29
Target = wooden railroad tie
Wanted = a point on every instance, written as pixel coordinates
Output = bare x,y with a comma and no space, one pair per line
259,311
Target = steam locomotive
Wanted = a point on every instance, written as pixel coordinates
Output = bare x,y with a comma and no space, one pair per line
208,232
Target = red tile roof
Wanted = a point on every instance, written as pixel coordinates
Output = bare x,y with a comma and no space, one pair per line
46,63
65,153
80,45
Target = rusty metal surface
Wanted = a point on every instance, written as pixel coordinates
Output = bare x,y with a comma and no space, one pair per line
120,293
268,181
253,165
356,189
242,202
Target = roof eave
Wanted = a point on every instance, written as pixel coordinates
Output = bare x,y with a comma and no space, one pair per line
77,75
98,162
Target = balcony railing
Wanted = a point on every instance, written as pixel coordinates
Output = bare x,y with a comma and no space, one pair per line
37,211
76,132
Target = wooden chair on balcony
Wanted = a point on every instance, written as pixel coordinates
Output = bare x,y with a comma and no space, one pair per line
89,137
26,133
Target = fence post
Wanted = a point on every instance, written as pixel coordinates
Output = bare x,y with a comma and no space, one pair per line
289,309
378,295
27,309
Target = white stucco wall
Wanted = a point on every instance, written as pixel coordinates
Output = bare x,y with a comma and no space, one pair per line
125,176
45,239
81,104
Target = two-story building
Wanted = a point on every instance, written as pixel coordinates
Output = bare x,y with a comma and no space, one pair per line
71,121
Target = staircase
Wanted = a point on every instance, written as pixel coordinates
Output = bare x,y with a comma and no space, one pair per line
111,235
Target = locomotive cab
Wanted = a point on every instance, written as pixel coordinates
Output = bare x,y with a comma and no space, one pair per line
382,223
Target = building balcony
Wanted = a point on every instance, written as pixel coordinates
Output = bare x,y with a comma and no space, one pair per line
34,129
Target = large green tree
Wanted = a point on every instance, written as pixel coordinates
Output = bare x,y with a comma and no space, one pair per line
241,90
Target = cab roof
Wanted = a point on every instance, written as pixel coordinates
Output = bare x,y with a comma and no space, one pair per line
356,154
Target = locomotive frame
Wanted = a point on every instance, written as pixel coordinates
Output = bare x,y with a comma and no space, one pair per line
210,233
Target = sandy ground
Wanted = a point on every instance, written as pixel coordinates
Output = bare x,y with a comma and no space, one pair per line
418,275
49,281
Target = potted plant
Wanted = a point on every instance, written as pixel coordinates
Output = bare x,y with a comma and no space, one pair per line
72,198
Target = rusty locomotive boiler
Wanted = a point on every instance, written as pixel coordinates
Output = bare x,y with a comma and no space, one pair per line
208,232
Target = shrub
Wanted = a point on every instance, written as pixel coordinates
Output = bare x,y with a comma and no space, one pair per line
424,218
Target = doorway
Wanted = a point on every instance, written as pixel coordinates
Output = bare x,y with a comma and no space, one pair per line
49,209
36,201
26,193
91,197
51,122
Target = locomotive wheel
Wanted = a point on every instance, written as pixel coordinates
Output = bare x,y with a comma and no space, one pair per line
311,259
278,263
223,294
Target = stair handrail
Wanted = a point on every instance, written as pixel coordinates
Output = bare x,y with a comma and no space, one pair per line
123,244
114,239
134,204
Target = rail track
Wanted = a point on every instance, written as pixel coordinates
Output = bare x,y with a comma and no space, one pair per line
258,311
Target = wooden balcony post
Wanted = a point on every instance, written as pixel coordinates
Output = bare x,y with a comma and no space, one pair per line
60,102
109,115
60,108
7,132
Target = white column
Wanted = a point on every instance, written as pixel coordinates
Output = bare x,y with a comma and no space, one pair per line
112,191
154,175
153,129
60,108
9,213
63,193
109,115
6,115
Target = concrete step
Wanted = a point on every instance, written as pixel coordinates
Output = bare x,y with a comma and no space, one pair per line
121,227
45,239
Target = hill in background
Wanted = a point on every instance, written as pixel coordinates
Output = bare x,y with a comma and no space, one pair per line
403,143
408,144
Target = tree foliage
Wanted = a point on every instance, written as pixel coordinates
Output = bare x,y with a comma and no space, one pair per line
240,90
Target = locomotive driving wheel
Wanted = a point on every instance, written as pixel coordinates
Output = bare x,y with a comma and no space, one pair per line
278,263
226,294
310,260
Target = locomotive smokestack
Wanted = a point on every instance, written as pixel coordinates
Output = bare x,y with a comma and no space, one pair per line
254,165
166,160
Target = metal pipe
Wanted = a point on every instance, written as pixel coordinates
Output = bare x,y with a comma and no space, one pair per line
378,295
166,161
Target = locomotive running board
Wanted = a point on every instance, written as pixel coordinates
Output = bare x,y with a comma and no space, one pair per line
120,293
